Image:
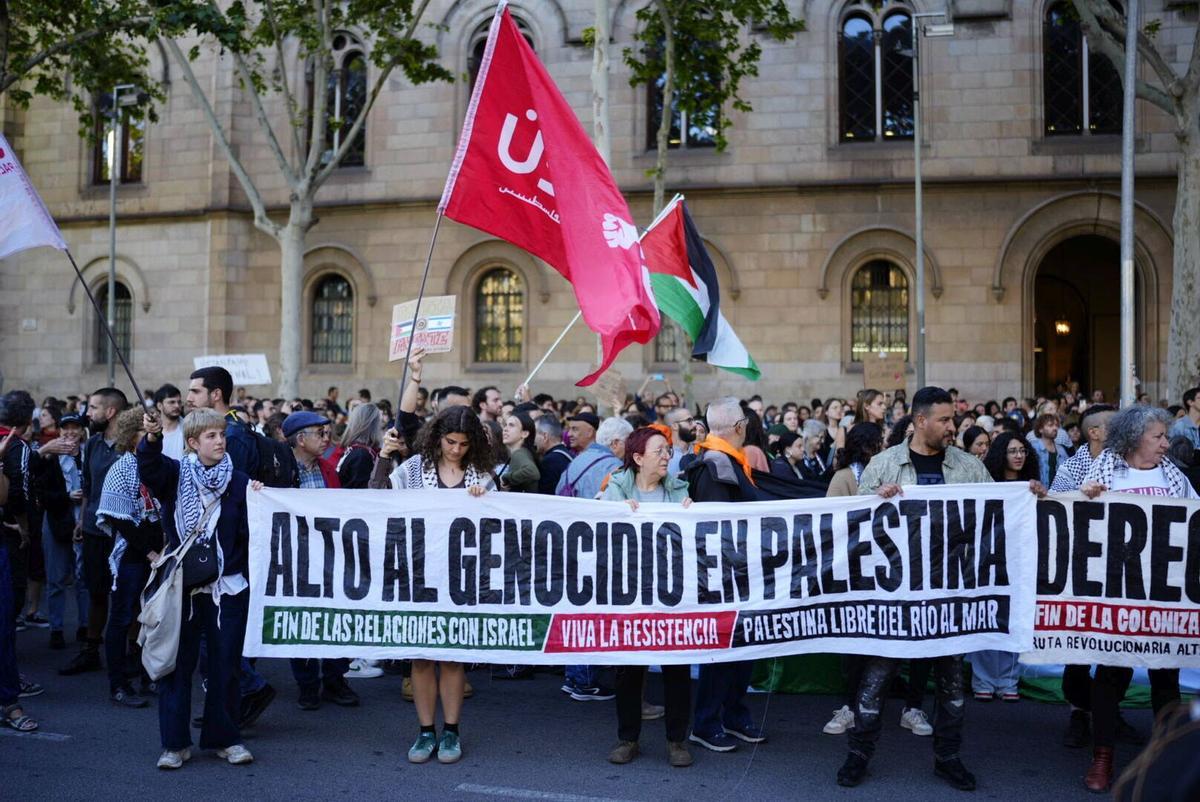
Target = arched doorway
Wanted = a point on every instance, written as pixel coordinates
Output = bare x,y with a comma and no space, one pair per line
1077,316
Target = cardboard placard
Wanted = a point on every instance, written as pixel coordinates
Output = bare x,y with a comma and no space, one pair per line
245,368
435,326
610,389
884,373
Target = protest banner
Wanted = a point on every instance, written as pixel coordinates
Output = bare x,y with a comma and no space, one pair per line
883,372
440,575
244,368
1118,581
435,326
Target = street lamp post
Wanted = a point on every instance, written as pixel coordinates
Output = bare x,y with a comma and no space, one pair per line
944,29
114,177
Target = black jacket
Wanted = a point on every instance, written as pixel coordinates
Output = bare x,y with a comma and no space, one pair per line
357,465
551,465
98,457
50,486
713,476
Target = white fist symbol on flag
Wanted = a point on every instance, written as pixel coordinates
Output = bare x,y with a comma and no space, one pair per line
618,233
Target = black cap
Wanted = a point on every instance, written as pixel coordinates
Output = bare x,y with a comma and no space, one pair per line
67,420
586,417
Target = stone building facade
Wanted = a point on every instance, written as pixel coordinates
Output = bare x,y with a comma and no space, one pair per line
811,227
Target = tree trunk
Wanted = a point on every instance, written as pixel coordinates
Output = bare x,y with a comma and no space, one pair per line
291,275
600,83
1183,344
668,94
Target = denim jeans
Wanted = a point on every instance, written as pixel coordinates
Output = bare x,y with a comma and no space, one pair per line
123,608
222,703
10,678
721,697
310,673
63,561
872,693
995,672
581,676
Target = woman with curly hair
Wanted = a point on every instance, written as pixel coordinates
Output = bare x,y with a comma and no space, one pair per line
451,452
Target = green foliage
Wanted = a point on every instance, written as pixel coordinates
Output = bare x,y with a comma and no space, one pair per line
716,47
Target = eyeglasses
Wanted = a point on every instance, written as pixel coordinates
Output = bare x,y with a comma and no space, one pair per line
1015,452
660,452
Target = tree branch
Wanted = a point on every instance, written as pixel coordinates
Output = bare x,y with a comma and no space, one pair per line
667,116
261,220
31,63
1106,26
316,141
361,120
293,108
1192,77
5,35
260,113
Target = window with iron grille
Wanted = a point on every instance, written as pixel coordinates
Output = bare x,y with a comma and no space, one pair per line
499,316
671,344
878,310
1081,91
122,325
875,76
333,322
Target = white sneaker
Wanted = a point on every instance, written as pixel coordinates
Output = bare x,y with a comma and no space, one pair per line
236,754
364,669
842,720
173,760
914,719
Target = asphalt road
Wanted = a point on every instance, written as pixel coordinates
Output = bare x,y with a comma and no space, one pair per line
522,740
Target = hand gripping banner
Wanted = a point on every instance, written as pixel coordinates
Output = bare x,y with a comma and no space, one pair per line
511,578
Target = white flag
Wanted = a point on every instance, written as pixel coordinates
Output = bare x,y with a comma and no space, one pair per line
24,221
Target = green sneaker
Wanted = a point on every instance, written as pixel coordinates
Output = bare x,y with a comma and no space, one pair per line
423,748
449,748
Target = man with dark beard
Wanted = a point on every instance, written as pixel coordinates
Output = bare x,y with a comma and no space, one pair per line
682,424
99,454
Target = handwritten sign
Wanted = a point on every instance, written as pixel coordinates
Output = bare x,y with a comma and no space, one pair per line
245,368
883,373
435,326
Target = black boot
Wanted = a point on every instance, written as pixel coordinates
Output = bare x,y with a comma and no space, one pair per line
88,659
852,771
955,773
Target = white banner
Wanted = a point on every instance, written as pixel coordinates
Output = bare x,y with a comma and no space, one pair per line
24,221
244,368
1118,581
510,578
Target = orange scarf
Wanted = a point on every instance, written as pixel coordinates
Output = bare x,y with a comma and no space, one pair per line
714,443
662,429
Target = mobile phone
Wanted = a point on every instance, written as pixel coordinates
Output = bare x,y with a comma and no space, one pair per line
657,377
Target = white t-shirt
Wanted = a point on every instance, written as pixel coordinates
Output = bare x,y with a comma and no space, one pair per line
173,443
1148,482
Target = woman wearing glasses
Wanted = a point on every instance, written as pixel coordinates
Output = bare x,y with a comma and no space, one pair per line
644,477
995,673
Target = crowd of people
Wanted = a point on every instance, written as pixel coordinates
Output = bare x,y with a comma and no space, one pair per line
98,493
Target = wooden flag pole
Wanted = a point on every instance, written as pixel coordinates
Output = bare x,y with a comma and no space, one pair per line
412,334
554,345
112,338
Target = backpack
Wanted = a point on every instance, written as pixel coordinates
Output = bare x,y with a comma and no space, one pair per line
276,462
568,488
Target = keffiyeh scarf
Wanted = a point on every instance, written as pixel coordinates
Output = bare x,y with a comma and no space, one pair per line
198,487
123,499
1109,463
414,473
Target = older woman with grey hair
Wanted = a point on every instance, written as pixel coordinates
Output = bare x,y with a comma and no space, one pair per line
1133,461
361,441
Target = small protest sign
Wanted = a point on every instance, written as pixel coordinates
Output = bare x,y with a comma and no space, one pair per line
245,368
883,373
434,326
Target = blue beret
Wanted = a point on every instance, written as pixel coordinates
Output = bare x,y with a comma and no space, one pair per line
302,420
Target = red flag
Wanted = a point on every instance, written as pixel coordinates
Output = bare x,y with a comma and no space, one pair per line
526,172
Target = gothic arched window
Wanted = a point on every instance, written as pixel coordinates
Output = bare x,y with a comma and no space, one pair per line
499,316
332,322
878,310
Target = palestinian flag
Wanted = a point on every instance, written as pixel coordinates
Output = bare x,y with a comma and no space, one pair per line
686,289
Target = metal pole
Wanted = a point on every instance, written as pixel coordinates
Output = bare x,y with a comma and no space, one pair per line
412,334
114,172
554,345
1128,391
920,221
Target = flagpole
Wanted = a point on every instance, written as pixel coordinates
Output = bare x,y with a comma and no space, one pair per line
546,356
412,334
112,339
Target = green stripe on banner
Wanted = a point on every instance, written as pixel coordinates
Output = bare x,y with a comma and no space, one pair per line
323,626
676,302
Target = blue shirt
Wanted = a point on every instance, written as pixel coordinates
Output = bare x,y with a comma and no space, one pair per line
1186,427
588,470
